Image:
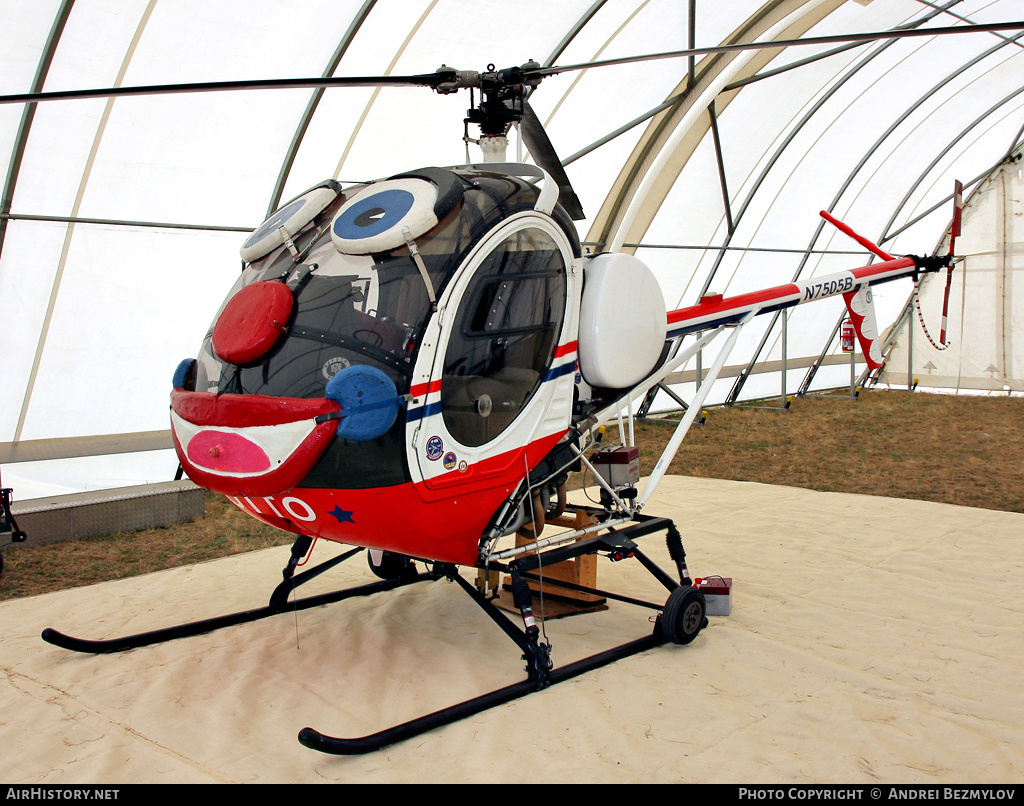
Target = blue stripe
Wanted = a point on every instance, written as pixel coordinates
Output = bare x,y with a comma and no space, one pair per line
731,319
435,408
423,411
711,324
558,372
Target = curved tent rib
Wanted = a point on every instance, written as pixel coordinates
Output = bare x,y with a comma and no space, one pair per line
981,353
70,230
605,229
314,102
27,115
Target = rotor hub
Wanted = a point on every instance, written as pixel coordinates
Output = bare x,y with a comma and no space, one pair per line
501,94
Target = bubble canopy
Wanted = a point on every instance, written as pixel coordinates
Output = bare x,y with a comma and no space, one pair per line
121,219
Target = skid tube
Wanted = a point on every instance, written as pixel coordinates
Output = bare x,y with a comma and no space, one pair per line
679,621
278,604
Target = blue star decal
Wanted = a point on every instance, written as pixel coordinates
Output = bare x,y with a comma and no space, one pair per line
342,515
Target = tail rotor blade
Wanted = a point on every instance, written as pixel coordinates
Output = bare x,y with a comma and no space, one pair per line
954,232
958,212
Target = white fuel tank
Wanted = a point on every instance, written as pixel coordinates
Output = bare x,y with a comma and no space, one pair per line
622,321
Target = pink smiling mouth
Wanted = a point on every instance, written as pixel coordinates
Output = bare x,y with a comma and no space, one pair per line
249,444
227,452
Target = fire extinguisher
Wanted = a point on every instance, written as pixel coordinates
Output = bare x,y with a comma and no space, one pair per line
846,336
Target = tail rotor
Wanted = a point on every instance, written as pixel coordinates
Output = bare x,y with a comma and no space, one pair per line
954,233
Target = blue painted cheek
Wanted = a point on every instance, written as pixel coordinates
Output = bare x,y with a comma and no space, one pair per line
368,399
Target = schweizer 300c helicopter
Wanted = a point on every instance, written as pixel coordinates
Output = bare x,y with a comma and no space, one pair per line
414,366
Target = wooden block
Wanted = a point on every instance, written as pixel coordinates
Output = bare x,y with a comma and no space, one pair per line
579,571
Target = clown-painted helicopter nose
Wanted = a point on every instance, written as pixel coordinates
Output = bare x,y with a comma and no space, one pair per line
405,346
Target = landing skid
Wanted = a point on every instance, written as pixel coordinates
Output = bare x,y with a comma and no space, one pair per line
279,603
679,620
315,740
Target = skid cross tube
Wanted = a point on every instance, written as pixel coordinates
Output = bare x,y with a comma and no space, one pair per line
621,541
560,583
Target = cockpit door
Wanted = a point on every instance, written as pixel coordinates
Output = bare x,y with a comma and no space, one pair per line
501,378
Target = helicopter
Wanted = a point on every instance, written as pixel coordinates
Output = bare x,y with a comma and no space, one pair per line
414,366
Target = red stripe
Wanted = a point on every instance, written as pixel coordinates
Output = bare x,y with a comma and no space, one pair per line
421,389
725,304
882,268
721,305
565,349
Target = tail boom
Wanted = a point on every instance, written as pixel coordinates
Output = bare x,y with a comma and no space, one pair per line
715,310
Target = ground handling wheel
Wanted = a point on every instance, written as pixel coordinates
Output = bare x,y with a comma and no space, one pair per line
387,565
684,615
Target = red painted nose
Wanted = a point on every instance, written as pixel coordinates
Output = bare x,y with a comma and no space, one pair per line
252,322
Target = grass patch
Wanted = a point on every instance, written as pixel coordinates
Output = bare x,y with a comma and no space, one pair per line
224,531
953,450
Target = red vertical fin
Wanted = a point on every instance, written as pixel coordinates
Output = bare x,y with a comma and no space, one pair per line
862,312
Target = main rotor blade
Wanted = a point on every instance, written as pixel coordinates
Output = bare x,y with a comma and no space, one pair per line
426,80
539,144
901,33
438,78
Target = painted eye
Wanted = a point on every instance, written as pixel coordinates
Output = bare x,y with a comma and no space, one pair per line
376,220
293,217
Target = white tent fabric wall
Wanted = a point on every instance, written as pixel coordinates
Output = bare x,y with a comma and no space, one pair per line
892,165
121,219
986,306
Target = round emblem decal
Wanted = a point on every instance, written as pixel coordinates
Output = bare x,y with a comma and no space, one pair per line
435,447
333,366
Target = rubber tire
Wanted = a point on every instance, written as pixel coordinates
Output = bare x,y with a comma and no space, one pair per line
392,566
684,615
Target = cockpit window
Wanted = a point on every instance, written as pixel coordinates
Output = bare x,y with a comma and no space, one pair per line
349,310
504,337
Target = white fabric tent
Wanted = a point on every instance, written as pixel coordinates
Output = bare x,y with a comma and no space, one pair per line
986,307
121,218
